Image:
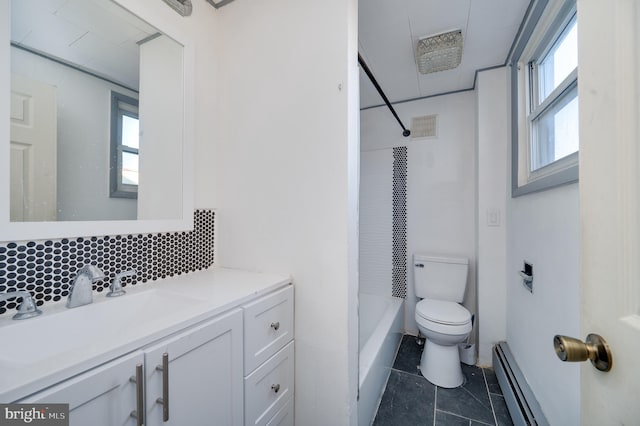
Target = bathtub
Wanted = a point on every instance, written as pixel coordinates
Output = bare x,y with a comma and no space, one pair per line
380,335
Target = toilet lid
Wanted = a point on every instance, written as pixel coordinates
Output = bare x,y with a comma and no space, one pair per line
443,312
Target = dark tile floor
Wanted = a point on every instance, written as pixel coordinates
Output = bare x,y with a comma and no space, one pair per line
409,399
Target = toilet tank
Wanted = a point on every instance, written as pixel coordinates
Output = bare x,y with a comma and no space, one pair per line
440,278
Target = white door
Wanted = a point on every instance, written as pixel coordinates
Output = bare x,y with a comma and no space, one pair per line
103,396
33,150
609,84
202,382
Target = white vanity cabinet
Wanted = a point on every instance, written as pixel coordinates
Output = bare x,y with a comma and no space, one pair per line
269,359
103,396
227,359
200,382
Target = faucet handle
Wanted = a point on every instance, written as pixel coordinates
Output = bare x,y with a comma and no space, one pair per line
27,308
116,285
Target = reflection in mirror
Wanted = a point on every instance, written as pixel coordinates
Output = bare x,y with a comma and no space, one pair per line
125,146
69,61
183,7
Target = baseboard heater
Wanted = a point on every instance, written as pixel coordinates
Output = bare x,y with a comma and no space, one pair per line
522,404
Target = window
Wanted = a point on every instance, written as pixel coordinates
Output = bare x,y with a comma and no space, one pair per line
545,99
125,143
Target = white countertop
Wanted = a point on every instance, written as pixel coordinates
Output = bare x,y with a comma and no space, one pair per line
32,356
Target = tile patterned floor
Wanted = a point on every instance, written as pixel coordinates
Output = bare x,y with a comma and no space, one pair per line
410,400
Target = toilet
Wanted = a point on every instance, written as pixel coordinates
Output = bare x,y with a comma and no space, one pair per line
441,282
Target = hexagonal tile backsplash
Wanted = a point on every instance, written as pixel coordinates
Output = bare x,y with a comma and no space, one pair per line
46,268
399,208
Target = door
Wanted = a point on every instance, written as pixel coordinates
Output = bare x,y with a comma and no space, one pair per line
103,396
609,82
33,150
200,377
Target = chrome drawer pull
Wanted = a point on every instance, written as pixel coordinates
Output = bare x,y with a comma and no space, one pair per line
138,413
165,386
275,388
275,325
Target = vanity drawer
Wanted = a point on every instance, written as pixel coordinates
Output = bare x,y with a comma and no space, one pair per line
268,390
268,327
284,416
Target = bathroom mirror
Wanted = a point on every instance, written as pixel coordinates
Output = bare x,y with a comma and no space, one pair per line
98,129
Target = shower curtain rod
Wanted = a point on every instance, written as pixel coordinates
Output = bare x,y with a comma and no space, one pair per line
365,68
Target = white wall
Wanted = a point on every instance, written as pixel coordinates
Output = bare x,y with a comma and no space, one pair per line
543,229
440,184
84,110
493,148
285,164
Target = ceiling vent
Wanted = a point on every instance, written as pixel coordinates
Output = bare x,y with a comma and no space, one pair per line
424,127
439,52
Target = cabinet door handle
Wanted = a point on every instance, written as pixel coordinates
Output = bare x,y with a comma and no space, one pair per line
276,387
164,401
138,379
275,325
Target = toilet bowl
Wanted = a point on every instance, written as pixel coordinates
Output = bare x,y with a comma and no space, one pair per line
441,283
444,324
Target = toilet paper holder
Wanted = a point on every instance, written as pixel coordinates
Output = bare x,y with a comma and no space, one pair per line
527,276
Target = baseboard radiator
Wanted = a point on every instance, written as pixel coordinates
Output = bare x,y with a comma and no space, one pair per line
522,404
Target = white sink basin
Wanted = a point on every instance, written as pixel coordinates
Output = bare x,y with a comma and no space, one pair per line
90,327
61,343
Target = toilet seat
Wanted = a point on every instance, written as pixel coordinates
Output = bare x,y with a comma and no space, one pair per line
427,327
442,312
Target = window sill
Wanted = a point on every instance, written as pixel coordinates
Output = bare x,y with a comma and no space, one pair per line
559,178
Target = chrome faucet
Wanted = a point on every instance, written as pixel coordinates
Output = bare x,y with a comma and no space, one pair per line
116,285
27,308
81,292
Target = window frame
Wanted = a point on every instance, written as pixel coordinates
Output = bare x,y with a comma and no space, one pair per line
117,189
544,24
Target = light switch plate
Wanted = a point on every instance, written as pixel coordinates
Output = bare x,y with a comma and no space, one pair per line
493,217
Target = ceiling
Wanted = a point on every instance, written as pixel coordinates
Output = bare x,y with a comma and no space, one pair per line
95,35
100,36
389,32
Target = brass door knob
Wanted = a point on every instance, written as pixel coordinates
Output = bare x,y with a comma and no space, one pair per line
594,349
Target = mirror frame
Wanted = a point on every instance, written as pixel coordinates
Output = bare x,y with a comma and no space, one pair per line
168,23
